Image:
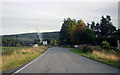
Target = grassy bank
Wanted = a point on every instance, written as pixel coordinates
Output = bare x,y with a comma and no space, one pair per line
95,56
19,56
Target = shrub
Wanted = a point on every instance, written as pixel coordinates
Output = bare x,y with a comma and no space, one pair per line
24,53
97,48
105,45
87,49
7,51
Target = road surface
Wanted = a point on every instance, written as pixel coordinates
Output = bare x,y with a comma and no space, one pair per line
61,60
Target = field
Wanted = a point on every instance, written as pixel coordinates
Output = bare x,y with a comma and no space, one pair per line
16,56
99,56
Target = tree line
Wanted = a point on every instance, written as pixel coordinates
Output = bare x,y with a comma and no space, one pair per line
8,42
77,32
28,39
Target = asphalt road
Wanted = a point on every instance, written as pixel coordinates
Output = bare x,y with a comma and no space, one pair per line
61,60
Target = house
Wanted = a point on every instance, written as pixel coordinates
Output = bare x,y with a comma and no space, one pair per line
44,43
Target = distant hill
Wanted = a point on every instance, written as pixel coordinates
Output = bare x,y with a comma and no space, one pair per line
50,35
28,38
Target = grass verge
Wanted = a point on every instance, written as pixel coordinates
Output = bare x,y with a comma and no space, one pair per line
20,57
97,58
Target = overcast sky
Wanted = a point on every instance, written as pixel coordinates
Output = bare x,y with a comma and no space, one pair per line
25,17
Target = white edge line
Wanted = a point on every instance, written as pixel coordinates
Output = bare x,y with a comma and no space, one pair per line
30,62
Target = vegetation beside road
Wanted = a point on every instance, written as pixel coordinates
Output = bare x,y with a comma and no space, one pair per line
18,56
103,33
77,32
99,56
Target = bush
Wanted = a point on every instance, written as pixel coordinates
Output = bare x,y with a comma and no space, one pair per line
24,53
7,50
105,45
87,49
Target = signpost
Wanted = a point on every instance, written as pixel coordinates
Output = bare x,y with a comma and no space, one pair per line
118,44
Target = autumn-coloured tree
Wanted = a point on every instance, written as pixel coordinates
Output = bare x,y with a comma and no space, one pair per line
76,31
80,27
51,43
55,43
72,30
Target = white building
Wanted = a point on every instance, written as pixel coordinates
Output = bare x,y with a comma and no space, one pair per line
44,42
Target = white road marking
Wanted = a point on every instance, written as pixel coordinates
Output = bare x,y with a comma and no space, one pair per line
30,62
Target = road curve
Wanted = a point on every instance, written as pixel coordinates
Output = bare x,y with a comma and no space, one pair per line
61,60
